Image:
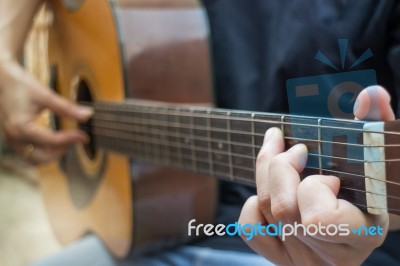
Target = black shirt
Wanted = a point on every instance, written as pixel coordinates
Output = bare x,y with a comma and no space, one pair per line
258,45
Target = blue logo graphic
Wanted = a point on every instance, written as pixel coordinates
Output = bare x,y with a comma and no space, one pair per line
333,95
368,231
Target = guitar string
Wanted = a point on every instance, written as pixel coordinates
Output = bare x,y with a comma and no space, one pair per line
341,128
278,122
191,112
274,123
146,141
236,155
389,210
169,133
242,179
166,133
252,170
216,129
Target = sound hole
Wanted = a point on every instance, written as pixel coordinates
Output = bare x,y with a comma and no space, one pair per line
85,97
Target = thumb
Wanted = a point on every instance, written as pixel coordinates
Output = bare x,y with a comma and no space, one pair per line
373,103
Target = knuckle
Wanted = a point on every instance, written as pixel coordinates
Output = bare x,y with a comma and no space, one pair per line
47,94
249,202
308,183
262,158
324,218
317,218
264,199
283,208
14,129
276,165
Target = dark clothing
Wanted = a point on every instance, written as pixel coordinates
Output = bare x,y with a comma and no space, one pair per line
258,45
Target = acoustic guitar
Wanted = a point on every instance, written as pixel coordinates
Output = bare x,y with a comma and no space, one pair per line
156,140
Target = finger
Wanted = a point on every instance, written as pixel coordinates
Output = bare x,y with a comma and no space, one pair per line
281,253
45,155
329,251
373,103
39,154
38,135
318,204
65,108
272,146
268,246
283,180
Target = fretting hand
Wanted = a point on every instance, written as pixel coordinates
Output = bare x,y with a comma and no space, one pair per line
281,196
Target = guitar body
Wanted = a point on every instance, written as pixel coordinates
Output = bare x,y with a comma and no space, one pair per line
102,50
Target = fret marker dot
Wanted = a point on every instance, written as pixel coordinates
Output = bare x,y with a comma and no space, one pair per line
220,145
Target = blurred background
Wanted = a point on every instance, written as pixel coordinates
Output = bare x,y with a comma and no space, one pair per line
25,234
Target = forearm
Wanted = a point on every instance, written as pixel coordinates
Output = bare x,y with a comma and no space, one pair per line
15,21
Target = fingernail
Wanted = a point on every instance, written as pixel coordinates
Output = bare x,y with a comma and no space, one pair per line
85,112
301,152
356,105
272,133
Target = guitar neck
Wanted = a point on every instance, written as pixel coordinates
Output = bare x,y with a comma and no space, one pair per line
218,142
225,143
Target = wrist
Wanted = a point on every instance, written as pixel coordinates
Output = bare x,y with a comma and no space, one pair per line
10,68
7,61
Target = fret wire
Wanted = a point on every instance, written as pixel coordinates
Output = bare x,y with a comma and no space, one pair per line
147,151
283,125
257,146
228,124
152,131
166,138
192,142
205,170
253,141
319,147
177,118
259,134
210,155
148,137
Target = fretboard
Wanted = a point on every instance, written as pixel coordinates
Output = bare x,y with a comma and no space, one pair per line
225,143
